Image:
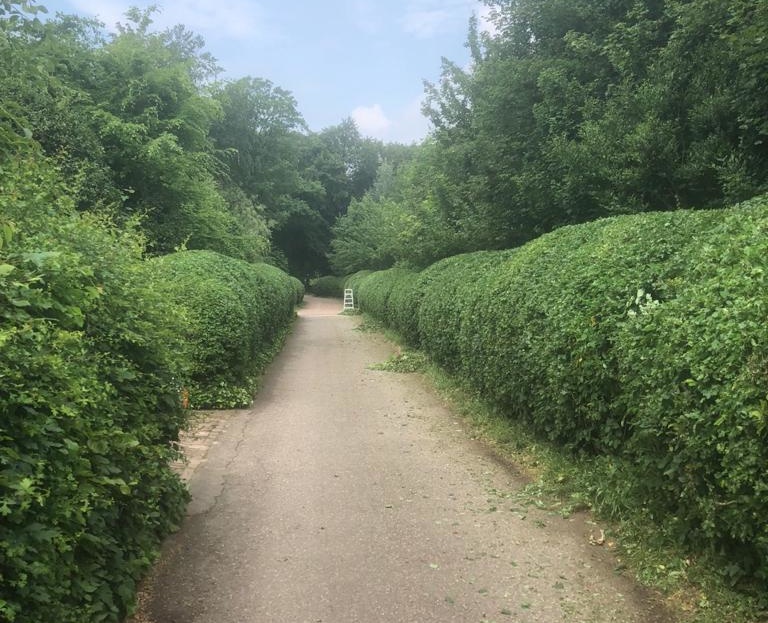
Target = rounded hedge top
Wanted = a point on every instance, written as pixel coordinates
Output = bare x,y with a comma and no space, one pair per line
642,338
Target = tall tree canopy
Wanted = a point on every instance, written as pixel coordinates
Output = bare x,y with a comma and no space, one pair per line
141,131
577,109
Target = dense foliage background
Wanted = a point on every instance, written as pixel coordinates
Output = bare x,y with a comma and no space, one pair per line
328,286
141,129
574,110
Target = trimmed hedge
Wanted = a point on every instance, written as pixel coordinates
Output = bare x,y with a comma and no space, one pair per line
328,286
94,345
88,408
639,340
234,313
438,327
374,292
353,281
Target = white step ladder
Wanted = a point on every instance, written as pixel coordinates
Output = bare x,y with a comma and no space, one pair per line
349,299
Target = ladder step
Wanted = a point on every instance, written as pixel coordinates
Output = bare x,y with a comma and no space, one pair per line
349,299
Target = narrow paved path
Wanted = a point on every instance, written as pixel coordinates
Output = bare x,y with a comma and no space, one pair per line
352,495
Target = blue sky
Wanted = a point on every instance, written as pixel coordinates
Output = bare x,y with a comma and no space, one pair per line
364,59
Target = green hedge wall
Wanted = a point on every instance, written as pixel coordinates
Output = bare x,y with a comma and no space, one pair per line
639,340
328,286
374,292
234,312
353,281
95,344
88,406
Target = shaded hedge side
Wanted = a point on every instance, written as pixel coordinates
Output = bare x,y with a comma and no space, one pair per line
234,312
375,290
640,340
353,282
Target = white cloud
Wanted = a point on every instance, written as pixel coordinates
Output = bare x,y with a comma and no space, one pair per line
371,120
411,125
108,12
406,125
427,18
240,19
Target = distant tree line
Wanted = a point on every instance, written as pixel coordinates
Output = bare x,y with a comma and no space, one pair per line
573,110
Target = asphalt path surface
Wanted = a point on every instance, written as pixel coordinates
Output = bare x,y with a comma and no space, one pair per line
347,494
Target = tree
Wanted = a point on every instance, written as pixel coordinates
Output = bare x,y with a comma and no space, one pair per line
128,122
260,139
367,236
580,109
398,221
256,138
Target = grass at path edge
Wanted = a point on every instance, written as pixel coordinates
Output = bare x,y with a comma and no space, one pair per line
696,589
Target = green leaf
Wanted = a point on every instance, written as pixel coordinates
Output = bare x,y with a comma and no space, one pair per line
7,232
39,258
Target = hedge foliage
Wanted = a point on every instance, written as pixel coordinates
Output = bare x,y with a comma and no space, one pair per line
328,286
641,341
95,345
354,280
88,407
234,313
377,288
